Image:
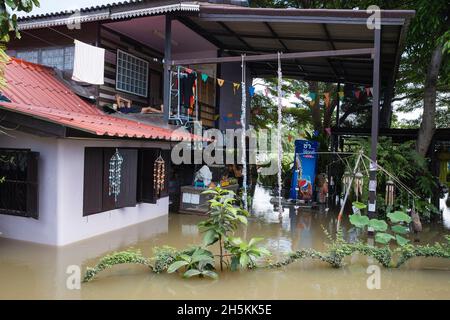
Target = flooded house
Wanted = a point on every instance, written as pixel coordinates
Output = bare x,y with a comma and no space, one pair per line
163,65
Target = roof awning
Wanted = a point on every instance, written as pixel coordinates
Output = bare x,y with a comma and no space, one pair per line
237,30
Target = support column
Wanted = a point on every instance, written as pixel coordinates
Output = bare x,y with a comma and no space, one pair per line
167,61
372,211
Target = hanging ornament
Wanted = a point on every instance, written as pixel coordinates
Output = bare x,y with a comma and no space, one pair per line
115,174
251,91
204,77
367,91
236,87
389,197
220,82
159,173
358,185
346,179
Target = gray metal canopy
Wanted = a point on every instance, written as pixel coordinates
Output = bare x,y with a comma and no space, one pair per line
237,30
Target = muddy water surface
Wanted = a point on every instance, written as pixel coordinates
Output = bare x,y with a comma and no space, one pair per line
30,271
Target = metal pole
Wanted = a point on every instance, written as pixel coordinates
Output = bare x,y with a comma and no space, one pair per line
347,191
372,211
167,62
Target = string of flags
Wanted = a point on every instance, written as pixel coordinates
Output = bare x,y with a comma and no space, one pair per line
327,96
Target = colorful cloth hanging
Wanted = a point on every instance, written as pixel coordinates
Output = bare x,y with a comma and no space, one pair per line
115,174
251,91
159,173
327,99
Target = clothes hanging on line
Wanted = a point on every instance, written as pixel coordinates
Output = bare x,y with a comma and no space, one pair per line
89,63
187,85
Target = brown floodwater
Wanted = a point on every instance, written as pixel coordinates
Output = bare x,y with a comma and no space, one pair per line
30,271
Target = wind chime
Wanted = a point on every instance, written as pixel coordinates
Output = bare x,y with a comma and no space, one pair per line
389,197
358,186
115,174
159,172
346,180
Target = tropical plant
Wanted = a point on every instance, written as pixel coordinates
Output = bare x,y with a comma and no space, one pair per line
245,254
195,261
129,256
224,219
398,220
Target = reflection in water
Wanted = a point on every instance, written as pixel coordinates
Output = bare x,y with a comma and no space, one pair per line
37,271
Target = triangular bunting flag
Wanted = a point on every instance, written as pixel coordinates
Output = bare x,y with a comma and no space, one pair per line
188,70
341,95
217,116
220,82
238,122
251,91
328,131
312,95
371,91
204,77
236,86
357,93
266,92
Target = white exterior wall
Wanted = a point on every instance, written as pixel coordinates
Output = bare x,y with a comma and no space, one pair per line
61,172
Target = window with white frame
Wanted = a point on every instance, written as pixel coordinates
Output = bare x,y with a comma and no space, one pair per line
60,57
131,74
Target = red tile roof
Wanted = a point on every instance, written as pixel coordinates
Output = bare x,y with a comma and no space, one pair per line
35,90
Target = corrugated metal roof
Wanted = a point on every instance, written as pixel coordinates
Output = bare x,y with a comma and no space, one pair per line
35,91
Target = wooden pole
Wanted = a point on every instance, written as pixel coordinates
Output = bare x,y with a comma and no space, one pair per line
167,59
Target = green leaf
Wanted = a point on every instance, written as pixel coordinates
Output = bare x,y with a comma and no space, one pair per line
378,225
401,241
400,229
244,260
211,274
235,241
359,205
242,219
191,273
176,265
358,220
383,238
399,216
210,237
254,241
